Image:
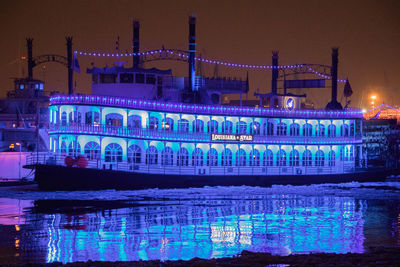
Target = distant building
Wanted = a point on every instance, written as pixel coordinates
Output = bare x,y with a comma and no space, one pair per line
383,112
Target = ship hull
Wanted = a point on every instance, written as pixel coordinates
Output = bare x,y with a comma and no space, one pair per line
54,177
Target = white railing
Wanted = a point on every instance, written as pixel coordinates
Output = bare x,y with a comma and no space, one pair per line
59,159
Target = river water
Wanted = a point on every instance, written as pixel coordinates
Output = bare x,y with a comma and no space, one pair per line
206,222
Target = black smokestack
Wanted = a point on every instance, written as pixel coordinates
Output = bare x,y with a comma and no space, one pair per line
69,65
275,72
29,45
192,50
135,44
334,104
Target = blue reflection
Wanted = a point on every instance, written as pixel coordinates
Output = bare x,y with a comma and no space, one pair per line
211,227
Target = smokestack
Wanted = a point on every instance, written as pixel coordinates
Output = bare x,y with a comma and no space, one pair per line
135,44
192,50
69,65
29,45
275,72
334,104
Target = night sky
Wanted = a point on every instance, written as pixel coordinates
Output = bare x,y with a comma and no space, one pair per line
366,32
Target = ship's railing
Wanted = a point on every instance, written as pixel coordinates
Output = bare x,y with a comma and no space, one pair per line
200,109
59,159
130,132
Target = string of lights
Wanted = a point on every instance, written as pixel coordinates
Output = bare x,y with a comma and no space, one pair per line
211,61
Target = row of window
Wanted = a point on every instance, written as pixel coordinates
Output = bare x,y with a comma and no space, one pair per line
255,128
126,78
113,153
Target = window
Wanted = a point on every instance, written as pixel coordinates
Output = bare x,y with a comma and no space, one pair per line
319,158
70,117
331,158
307,158
150,79
135,121
183,157
345,130
281,157
255,128
88,117
126,78
268,158
241,157
294,129
227,127
167,124
352,128
134,154
108,78
92,150
307,129
64,118
139,78
269,128
114,119
153,123
320,130
294,158
281,129
113,153
254,158
212,126
167,156
197,157
331,130
183,125
241,127
63,148
226,158
198,126
152,155
212,157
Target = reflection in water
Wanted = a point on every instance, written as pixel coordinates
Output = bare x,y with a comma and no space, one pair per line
204,227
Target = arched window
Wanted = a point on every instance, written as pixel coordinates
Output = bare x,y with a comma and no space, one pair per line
294,158
345,130
63,148
197,157
268,158
320,130
183,125
153,123
227,127
254,158
167,156
183,157
114,119
294,129
281,157
331,158
226,157
281,129
269,128
255,128
319,158
64,118
167,124
241,157
212,157
152,155
92,150
135,121
241,127
307,129
331,130
212,126
307,158
198,126
113,153
134,154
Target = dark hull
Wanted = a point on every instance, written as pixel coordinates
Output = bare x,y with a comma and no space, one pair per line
53,177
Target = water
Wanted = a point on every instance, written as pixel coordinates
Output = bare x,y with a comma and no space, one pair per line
206,223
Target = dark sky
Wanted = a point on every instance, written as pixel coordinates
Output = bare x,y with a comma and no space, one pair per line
367,33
